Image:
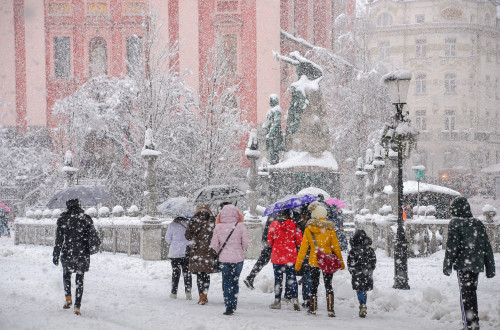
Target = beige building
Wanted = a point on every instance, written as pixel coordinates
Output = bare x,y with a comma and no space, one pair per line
453,50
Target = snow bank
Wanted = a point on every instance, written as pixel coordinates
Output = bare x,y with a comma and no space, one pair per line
304,158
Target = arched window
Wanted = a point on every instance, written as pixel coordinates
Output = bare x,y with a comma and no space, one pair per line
98,57
384,19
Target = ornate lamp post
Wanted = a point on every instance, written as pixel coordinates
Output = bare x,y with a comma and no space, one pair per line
398,83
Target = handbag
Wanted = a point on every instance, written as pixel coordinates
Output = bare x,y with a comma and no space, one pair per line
328,263
216,268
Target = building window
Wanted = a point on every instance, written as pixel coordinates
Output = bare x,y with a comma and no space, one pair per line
228,53
98,57
420,48
421,83
449,120
134,56
134,8
227,6
450,48
487,19
473,46
421,120
384,48
488,51
384,19
59,9
97,8
420,19
62,57
450,83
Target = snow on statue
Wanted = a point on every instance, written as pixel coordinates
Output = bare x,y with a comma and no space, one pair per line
272,127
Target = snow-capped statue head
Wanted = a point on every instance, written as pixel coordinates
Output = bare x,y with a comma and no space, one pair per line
68,158
148,140
274,100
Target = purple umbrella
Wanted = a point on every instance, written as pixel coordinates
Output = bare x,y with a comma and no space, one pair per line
4,207
289,202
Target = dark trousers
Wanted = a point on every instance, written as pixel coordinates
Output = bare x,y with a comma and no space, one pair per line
468,298
265,256
79,285
180,265
203,282
290,282
230,283
327,278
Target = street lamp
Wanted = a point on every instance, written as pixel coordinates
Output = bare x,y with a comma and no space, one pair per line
398,83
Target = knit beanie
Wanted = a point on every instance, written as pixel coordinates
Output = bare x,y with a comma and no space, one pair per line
460,208
317,211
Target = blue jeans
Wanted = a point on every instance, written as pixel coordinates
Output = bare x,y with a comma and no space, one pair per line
306,285
362,297
291,280
230,283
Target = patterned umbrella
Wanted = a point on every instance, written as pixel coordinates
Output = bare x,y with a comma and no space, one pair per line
88,195
289,202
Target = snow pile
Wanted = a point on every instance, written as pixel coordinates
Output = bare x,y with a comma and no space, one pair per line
128,292
303,158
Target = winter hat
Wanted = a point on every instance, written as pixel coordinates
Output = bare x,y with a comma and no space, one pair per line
203,208
360,238
460,208
317,211
72,204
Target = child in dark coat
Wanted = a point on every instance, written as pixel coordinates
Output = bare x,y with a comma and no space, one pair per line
361,263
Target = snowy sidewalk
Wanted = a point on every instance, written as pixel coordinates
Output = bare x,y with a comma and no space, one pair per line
128,293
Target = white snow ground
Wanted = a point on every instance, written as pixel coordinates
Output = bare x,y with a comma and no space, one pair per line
124,292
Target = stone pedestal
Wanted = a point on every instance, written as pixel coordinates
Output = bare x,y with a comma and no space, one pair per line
255,229
151,239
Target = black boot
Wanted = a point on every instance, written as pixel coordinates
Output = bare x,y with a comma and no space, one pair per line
313,305
329,304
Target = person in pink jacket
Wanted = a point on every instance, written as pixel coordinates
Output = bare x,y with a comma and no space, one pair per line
233,233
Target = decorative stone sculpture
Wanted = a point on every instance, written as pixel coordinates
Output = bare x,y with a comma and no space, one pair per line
272,128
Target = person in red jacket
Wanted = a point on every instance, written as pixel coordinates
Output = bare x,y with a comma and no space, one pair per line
284,238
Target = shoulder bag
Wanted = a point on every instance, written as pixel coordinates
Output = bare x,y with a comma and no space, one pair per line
328,263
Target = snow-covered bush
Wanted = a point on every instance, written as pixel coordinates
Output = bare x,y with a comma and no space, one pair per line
118,211
104,212
91,211
56,213
47,214
133,211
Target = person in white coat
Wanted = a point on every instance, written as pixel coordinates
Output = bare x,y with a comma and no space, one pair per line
178,253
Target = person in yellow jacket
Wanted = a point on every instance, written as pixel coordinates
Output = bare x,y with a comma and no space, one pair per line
326,240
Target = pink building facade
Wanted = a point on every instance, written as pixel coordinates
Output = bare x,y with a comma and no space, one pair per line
53,46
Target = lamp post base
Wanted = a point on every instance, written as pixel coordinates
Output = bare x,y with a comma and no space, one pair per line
401,264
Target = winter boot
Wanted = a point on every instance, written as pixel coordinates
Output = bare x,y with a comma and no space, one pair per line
189,296
362,310
276,304
249,283
77,311
203,299
313,304
296,306
68,302
173,295
329,304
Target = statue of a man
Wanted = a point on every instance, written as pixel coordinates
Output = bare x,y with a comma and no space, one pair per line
272,127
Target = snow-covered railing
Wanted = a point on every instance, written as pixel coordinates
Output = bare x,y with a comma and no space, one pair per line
425,235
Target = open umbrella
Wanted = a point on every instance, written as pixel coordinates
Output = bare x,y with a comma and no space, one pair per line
88,195
217,194
314,191
333,201
4,207
177,207
289,202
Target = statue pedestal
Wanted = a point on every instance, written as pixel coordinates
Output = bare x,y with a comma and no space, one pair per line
255,228
299,170
151,239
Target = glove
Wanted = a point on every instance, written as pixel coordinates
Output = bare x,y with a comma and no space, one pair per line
447,272
55,260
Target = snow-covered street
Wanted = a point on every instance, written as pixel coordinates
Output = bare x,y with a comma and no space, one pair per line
124,292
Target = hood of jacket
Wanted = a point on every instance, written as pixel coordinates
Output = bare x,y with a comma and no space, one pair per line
360,239
460,208
229,214
317,225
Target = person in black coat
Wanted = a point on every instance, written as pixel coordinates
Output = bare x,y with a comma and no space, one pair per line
361,263
72,246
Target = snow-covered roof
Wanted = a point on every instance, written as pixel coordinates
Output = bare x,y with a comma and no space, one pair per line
397,75
411,187
304,158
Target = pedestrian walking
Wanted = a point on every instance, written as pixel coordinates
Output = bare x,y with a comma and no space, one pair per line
4,222
284,238
230,240
265,255
361,262
178,253
319,233
201,259
469,252
301,215
74,234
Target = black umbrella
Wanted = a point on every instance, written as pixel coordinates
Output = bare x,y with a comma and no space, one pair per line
86,194
217,194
